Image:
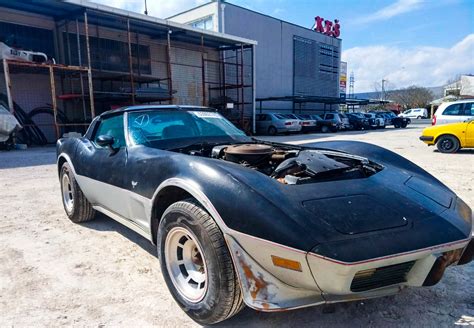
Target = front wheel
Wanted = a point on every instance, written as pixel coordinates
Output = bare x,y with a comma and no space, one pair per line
324,129
76,205
196,264
448,144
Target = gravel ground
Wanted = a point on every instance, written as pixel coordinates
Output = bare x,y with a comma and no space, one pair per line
54,272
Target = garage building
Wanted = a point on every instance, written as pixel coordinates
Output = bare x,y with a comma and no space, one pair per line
101,57
294,64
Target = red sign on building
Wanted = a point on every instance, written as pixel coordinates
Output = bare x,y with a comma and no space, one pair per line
327,27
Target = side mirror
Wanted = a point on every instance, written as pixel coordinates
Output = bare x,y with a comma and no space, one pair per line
105,140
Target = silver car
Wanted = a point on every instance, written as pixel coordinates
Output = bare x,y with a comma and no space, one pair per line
273,123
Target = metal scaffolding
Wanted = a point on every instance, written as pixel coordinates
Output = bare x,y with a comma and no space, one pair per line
111,60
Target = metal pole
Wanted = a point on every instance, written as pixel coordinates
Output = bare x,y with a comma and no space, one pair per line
170,83
89,69
53,99
130,63
203,72
78,40
254,90
6,71
242,84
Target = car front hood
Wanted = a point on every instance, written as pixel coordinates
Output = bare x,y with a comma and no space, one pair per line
391,200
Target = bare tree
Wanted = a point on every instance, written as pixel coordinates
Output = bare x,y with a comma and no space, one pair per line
412,97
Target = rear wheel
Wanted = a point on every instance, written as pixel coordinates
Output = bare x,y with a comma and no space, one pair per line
418,117
197,265
396,125
272,131
324,129
76,205
447,144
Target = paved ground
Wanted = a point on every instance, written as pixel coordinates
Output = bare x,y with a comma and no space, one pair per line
53,272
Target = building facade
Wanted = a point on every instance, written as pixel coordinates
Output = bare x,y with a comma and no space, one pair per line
291,60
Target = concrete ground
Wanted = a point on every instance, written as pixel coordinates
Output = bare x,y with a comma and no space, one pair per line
54,272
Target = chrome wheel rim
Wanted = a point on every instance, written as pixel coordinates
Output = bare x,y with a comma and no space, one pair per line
68,193
186,264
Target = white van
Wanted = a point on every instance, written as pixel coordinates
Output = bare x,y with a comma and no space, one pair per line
452,112
415,113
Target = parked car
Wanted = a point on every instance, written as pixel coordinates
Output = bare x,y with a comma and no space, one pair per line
376,121
449,138
275,226
308,123
397,122
273,123
452,112
415,113
324,126
358,121
341,120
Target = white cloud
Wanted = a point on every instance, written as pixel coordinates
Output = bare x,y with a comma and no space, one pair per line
397,8
157,8
423,66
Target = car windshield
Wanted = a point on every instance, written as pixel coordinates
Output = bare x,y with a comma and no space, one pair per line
175,129
279,116
316,117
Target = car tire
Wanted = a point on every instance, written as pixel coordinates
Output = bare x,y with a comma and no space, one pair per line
404,125
272,131
324,129
418,117
396,125
186,228
447,144
76,205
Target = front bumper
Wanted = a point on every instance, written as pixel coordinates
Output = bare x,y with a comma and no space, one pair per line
318,280
427,139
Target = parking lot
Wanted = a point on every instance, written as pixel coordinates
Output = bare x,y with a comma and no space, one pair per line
54,272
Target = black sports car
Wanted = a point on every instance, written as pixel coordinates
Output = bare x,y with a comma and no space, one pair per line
274,226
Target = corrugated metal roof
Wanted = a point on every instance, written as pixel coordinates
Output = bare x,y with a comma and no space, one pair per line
141,23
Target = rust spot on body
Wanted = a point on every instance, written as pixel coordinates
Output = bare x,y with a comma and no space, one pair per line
255,284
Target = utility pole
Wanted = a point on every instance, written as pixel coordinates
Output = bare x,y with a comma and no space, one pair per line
383,89
351,85
146,9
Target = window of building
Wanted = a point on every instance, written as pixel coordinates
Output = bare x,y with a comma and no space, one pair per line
206,23
27,38
109,55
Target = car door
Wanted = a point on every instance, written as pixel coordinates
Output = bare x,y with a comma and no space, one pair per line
103,169
470,134
468,112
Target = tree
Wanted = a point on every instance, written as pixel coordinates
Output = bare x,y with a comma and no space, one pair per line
412,97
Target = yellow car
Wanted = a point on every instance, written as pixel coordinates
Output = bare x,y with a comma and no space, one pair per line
449,138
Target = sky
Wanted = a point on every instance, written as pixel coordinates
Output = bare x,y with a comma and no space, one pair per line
406,42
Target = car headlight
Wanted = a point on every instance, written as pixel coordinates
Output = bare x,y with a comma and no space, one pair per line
464,211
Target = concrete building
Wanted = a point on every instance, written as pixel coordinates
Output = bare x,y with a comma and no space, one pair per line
106,57
291,60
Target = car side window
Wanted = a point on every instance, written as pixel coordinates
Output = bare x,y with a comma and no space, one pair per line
455,109
112,126
469,109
